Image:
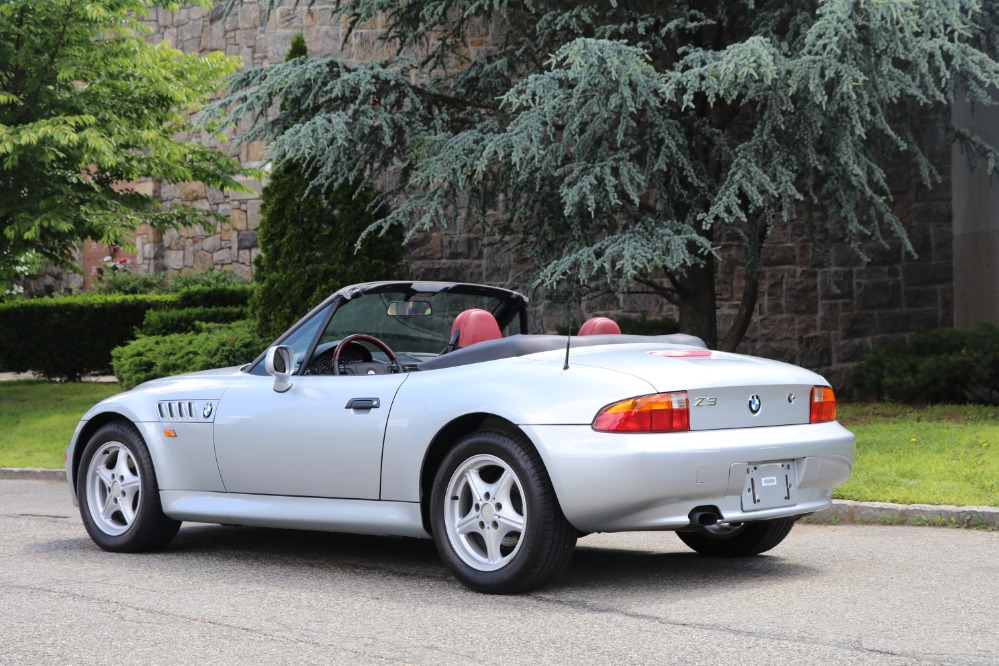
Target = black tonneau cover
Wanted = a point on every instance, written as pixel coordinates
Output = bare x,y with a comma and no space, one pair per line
522,345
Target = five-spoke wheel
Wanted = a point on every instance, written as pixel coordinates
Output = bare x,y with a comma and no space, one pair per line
485,517
118,493
495,518
113,488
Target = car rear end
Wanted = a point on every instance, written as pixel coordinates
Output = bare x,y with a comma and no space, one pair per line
721,438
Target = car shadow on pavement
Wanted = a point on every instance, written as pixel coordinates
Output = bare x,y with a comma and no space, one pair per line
591,567
206,548
596,567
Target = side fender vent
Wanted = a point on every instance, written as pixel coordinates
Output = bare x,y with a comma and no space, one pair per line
186,410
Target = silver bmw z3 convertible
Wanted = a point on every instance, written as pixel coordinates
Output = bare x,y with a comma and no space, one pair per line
427,410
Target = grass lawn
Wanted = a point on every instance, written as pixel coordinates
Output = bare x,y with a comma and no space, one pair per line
37,419
940,454
911,455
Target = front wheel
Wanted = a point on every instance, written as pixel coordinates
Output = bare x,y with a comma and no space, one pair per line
738,540
118,494
496,521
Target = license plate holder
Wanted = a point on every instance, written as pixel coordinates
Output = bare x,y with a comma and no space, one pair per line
769,485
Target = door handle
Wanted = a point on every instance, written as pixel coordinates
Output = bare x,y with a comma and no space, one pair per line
363,403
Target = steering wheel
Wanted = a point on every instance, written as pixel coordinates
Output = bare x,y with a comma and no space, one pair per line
373,368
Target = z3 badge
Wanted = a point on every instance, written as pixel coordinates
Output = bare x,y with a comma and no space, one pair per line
705,402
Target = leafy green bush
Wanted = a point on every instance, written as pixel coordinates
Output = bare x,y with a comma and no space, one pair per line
211,278
213,346
71,336
218,296
644,326
185,320
127,282
937,366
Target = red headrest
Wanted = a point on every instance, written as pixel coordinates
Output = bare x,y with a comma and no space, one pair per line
475,325
599,326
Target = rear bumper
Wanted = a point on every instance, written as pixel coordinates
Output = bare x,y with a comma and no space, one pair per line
623,482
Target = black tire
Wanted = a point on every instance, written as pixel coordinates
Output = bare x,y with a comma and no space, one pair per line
493,556
742,540
118,494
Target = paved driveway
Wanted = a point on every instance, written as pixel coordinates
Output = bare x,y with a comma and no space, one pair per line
843,594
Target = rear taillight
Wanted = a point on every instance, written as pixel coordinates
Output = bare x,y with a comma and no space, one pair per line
823,405
659,412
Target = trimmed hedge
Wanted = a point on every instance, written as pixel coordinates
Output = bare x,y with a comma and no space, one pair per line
213,346
71,336
173,320
938,366
230,295
65,338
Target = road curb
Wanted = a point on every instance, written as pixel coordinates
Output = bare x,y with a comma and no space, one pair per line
882,513
842,512
32,474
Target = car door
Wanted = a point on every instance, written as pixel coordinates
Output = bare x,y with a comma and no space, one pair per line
321,438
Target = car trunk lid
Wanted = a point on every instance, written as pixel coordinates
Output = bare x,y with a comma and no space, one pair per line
724,390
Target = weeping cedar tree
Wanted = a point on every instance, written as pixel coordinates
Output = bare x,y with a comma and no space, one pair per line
621,141
87,105
307,239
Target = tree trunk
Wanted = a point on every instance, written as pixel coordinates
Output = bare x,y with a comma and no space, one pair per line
697,304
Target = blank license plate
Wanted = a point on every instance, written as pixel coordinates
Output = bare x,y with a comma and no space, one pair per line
769,486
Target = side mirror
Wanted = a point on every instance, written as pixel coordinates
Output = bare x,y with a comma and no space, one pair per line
280,364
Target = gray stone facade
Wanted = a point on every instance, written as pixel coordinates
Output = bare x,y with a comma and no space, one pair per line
822,318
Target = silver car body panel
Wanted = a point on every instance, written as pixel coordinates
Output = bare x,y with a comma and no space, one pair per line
303,459
298,513
653,481
304,441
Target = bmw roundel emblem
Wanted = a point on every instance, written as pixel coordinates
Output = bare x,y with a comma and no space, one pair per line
207,411
754,404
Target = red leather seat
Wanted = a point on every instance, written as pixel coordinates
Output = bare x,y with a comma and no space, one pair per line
475,325
599,326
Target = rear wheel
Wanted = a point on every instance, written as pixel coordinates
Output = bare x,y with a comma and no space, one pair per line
118,494
738,540
495,518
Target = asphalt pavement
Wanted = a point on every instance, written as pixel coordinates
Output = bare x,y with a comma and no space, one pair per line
830,594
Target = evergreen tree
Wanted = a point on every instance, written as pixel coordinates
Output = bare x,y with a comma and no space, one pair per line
624,140
87,105
308,239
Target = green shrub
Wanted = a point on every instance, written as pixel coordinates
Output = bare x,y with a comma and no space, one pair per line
218,296
213,346
129,283
937,366
174,320
644,326
68,337
210,278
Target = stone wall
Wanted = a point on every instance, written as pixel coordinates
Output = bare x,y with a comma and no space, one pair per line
822,318
262,39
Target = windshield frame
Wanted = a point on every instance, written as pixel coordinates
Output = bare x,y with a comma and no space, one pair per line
512,305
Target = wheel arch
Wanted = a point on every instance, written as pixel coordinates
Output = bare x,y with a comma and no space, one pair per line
444,441
95,423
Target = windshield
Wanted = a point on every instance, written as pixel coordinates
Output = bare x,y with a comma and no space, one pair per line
415,325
